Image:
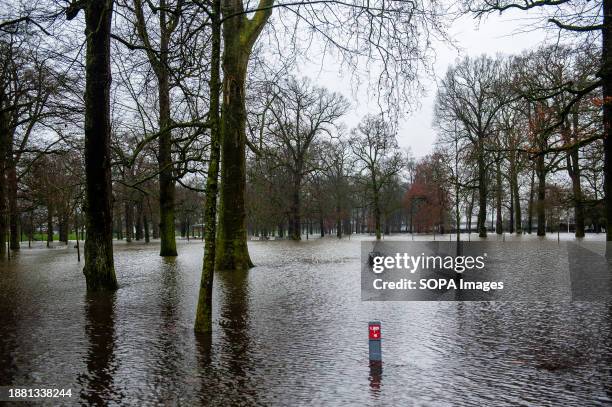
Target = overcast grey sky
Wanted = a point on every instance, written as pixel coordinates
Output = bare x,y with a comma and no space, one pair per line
506,34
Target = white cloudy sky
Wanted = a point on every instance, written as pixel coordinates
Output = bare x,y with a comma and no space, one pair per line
507,34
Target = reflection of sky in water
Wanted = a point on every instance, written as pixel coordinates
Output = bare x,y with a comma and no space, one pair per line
291,331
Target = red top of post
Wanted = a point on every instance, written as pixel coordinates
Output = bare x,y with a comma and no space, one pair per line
374,331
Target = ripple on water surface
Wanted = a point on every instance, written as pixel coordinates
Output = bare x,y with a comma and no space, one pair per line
290,331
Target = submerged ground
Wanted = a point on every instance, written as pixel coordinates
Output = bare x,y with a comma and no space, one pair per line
292,331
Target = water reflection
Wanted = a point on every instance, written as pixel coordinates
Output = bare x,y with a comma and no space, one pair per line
375,377
98,382
291,332
234,321
166,376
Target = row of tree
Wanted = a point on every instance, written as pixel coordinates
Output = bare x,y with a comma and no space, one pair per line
517,133
103,125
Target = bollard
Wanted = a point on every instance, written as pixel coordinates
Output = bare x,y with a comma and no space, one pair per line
375,336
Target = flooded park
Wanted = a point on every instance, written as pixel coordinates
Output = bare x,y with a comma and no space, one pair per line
226,203
291,331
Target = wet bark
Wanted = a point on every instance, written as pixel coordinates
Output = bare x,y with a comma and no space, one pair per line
203,322
99,269
239,35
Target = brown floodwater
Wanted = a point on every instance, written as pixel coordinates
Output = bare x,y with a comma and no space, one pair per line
291,331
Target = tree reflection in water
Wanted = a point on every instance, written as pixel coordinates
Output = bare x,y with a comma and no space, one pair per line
98,382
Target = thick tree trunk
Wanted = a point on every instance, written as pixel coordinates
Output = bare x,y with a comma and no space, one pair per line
99,269
167,188
239,35
203,322
232,248
482,190
541,204
511,212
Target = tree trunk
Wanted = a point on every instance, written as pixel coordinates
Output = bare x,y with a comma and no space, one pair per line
99,269
295,221
515,202
377,214
3,187
63,228
239,35
139,231
338,222
129,222
49,222
541,204
167,188
145,223
573,169
203,322
470,212
516,206
482,190
530,206
12,201
498,216
606,77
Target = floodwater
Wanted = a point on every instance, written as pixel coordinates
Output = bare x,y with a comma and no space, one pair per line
291,331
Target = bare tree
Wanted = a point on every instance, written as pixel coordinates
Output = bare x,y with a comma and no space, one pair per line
300,114
472,93
376,151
